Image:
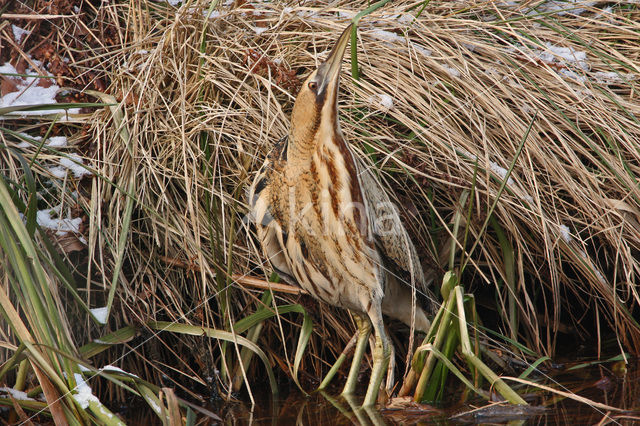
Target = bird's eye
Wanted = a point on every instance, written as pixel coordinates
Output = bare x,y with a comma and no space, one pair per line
313,85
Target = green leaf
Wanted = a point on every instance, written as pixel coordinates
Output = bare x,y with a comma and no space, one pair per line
221,335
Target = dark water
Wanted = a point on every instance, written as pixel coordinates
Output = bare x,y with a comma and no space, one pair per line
611,384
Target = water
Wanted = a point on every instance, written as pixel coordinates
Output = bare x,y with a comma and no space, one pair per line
609,384
612,384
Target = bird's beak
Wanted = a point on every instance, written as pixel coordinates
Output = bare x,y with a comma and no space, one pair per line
329,71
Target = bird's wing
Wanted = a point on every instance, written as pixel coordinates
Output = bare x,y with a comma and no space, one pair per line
271,235
391,236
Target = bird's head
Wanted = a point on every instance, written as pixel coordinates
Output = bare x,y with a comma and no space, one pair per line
316,108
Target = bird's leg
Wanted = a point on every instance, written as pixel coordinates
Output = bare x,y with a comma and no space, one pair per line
381,354
391,368
364,329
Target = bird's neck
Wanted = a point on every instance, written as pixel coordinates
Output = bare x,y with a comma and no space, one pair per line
309,138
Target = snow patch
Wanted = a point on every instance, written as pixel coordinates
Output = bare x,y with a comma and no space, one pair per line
564,7
382,100
58,172
16,394
30,142
83,394
74,163
422,49
46,219
595,270
30,93
391,38
453,72
56,141
501,172
114,369
19,33
345,14
406,18
211,15
565,233
387,36
573,75
100,314
608,78
469,47
562,56
259,30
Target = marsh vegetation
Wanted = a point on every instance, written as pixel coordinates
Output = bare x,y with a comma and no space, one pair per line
506,132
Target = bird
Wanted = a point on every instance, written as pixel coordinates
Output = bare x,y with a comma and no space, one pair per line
326,224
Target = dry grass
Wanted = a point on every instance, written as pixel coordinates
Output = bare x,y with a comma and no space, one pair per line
204,100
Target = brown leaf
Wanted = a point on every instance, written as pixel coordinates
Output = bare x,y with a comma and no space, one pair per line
7,85
52,397
69,243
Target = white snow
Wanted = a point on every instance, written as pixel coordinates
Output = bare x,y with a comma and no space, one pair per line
345,14
562,56
46,219
608,78
83,394
563,7
406,18
58,172
573,75
18,33
74,163
382,100
114,369
29,93
259,30
211,15
453,72
16,394
55,141
500,171
595,270
469,47
391,38
565,233
100,314
386,101
387,36
422,49
25,144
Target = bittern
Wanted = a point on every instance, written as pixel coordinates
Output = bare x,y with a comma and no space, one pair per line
326,224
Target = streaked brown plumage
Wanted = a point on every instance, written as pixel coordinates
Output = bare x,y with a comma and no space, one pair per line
326,224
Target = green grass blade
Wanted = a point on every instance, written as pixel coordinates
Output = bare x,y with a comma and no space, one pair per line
221,335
